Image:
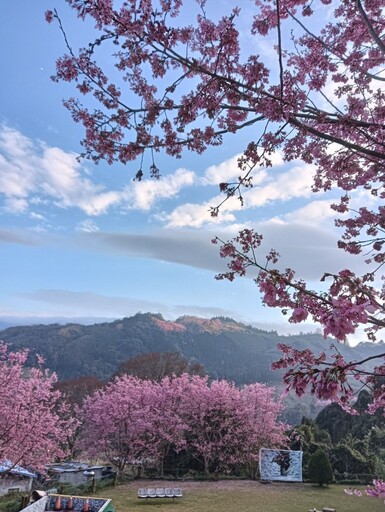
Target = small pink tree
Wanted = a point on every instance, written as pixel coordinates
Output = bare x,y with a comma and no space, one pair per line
133,421
116,422
262,409
32,432
210,411
168,428
227,426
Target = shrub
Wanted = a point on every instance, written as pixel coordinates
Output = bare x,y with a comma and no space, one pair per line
320,470
11,502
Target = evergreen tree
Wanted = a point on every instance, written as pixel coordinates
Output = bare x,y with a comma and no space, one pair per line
320,470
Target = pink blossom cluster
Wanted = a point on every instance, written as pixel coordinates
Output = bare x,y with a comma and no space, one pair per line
376,491
349,303
216,422
33,431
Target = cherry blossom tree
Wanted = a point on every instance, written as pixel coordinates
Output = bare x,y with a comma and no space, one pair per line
321,100
116,422
263,429
215,419
132,421
228,426
168,426
32,432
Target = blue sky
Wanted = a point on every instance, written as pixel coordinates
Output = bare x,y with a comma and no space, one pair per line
79,241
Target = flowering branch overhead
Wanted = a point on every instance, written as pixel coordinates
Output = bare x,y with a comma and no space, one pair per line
190,85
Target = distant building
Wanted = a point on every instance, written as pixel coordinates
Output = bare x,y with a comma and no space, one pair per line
14,478
74,473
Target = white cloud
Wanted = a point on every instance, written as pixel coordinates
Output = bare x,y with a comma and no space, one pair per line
15,204
315,212
87,226
143,194
229,171
36,216
197,215
294,183
31,173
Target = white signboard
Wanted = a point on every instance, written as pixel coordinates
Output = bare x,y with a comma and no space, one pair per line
284,465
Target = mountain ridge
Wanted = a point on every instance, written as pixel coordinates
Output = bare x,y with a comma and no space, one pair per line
227,348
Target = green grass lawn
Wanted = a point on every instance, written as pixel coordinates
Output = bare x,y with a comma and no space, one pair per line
240,496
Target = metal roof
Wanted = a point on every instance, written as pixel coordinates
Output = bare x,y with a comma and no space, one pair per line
5,466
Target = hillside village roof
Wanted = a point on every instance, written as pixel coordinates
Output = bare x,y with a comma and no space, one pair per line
15,470
71,466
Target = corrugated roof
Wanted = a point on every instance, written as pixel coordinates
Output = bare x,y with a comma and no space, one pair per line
71,466
5,466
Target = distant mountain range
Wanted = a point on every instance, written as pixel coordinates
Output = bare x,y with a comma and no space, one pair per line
227,349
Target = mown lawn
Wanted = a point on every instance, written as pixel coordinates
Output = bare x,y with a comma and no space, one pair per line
240,496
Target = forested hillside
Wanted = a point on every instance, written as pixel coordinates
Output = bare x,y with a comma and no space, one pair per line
227,349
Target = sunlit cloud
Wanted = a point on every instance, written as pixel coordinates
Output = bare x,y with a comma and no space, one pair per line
294,183
315,212
229,171
272,187
34,174
143,194
196,215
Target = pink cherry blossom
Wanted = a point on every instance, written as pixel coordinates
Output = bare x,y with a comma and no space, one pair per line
33,431
219,424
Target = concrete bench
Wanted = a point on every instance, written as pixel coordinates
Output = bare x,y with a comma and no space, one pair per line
160,492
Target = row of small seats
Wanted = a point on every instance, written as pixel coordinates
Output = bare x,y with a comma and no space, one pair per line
160,492
325,509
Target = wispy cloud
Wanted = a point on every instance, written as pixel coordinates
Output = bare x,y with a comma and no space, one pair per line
88,304
189,248
87,226
195,215
294,183
228,171
310,250
30,170
313,213
17,237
